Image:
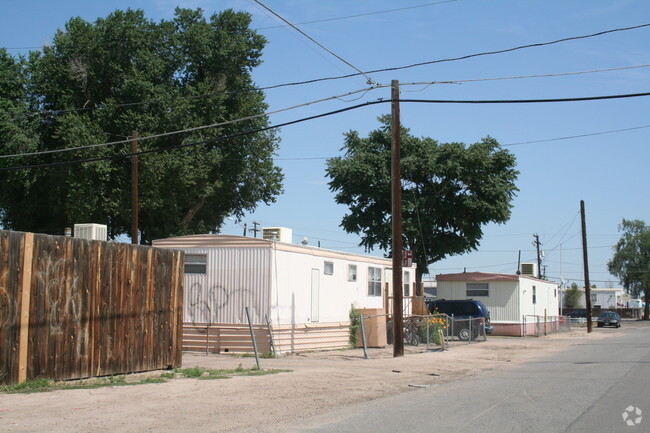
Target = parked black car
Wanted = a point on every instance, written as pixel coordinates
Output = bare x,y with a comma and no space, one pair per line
609,318
581,312
463,309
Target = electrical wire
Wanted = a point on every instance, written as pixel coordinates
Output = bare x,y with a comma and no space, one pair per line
360,15
360,72
524,101
426,84
197,128
330,113
519,77
469,56
577,136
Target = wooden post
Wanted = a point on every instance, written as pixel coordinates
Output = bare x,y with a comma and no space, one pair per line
134,188
396,186
25,290
250,328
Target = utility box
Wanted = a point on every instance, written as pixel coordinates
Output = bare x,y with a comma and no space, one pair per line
279,234
374,324
96,232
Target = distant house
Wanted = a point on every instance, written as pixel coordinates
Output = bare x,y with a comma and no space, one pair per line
430,289
514,301
601,298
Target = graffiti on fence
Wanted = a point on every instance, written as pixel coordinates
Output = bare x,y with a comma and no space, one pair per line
8,306
62,293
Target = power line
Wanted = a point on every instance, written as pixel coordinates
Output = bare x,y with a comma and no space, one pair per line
317,116
369,80
197,128
313,21
469,56
519,77
360,15
578,136
25,114
524,101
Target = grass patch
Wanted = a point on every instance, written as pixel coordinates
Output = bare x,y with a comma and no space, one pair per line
45,385
192,372
265,355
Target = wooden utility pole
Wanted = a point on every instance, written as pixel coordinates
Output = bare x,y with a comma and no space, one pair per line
539,256
255,229
396,187
586,265
134,188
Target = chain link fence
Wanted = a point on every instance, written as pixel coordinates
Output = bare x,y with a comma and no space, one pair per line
537,326
373,334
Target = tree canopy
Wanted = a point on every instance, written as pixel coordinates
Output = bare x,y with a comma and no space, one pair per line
631,260
100,82
573,296
449,191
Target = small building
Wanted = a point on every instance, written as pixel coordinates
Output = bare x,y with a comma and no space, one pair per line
605,299
515,302
290,285
430,289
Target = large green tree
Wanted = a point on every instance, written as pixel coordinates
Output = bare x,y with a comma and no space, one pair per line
631,261
99,82
449,191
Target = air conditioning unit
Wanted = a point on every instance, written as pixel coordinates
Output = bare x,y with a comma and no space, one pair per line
95,232
279,234
528,269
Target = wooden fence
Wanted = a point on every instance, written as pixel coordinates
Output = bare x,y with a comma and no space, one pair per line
73,308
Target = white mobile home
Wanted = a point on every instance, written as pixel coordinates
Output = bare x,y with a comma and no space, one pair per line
600,298
289,283
513,300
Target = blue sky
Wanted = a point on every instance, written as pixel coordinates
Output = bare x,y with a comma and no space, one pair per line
608,171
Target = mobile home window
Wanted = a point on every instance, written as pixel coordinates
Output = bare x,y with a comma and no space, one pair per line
407,284
478,289
534,295
374,281
352,272
328,268
195,263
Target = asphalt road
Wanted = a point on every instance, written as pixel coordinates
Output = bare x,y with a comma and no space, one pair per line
584,388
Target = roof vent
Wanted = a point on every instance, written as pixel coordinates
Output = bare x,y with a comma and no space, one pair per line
279,234
529,269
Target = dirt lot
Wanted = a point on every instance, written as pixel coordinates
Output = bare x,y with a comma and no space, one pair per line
317,384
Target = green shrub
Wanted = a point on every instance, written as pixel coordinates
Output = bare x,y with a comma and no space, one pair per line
355,326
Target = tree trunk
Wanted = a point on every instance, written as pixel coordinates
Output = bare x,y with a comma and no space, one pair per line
646,310
189,216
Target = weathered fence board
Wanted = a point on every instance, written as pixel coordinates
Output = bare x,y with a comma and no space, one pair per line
87,308
224,338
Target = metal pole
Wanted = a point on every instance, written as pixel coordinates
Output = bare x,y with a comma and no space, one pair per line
586,265
396,188
268,325
250,328
363,337
207,339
